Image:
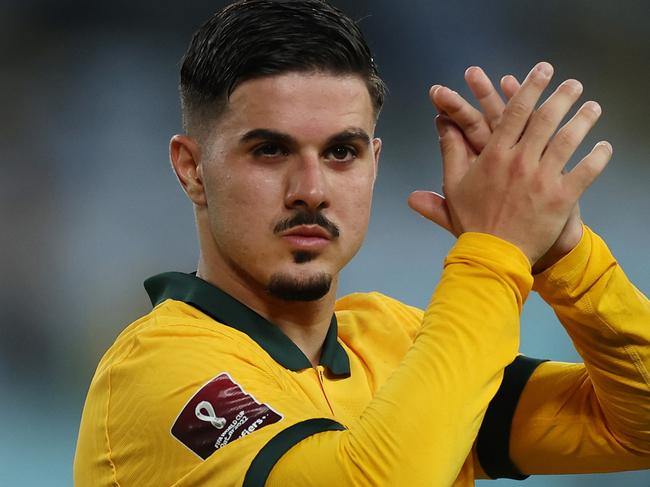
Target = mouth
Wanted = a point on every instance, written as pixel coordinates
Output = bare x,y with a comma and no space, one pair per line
307,237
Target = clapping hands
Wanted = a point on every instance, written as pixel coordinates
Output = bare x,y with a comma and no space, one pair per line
503,168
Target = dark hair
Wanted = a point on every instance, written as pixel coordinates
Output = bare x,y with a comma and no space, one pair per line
254,38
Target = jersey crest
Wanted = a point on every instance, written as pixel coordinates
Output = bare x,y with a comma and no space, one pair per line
220,412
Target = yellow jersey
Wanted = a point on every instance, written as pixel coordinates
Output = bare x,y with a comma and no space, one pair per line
204,391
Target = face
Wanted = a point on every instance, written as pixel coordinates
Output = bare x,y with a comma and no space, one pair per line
288,174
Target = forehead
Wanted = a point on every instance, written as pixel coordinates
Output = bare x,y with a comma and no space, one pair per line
304,104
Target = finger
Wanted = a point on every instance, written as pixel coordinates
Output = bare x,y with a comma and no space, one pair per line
569,137
455,162
589,168
509,86
544,122
432,90
521,105
483,89
431,206
464,115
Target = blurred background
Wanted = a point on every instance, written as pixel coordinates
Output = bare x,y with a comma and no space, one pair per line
90,208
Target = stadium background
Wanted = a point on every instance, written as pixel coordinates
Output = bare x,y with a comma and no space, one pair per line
89,206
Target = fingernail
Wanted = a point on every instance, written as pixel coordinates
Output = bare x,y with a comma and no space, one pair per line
594,107
449,90
573,85
543,69
471,70
607,146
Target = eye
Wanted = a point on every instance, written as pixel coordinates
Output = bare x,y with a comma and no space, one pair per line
342,153
270,150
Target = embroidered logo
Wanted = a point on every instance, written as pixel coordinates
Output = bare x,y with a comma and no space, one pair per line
220,412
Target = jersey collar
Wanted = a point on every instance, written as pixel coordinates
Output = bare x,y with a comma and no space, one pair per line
227,310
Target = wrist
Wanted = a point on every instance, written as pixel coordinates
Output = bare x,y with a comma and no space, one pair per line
562,247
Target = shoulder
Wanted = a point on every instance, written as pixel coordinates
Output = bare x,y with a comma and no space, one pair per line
178,339
155,368
378,311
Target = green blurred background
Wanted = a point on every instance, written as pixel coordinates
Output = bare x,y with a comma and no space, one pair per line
90,208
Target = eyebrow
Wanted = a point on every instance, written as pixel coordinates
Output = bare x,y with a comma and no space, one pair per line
345,136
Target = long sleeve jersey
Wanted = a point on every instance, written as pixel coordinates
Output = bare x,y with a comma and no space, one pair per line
203,391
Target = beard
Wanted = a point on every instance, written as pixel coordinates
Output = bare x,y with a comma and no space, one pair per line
289,288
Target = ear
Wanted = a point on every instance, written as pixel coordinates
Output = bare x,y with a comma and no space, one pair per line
376,148
185,156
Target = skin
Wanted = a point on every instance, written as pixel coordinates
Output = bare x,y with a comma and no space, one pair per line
477,127
242,187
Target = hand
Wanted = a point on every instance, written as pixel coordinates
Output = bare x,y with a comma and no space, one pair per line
530,162
477,128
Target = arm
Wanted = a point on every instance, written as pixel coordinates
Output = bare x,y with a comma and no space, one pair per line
601,410
571,418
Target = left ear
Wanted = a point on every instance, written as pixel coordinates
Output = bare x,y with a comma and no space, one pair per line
185,156
376,148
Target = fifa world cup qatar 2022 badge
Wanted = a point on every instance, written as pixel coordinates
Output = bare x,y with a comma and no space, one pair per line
220,412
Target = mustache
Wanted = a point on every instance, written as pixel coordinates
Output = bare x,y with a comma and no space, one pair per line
308,218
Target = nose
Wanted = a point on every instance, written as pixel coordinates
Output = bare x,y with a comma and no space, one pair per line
307,184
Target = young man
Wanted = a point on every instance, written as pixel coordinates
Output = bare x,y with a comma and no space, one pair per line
251,373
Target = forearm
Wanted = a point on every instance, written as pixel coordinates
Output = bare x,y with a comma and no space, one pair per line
608,320
437,397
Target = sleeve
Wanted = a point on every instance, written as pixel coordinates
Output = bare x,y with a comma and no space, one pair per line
420,426
591,417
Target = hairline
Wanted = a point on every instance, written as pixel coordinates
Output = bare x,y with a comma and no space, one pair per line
220,106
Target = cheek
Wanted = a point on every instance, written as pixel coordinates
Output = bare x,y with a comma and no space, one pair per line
242,204
357,212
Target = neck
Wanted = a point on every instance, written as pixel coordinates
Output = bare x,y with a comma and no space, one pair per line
305,322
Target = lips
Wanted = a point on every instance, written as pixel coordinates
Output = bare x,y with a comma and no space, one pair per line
307,237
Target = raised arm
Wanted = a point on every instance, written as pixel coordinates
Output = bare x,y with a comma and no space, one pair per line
572,418
599,410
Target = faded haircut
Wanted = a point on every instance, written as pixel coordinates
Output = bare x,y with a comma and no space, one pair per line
255,38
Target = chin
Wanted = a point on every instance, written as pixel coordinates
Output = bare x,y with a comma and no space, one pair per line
304,287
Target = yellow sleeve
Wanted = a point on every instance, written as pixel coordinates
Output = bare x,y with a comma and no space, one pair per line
591,417
419,428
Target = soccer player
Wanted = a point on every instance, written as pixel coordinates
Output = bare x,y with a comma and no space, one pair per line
250,372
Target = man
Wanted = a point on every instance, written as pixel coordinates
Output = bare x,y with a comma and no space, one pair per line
251,373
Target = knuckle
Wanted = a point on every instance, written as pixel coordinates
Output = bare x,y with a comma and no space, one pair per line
545,116
517,109
473,126
494,151
565,138
539,184
588,172
518,166
494,122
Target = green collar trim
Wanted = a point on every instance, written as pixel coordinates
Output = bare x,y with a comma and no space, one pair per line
227,310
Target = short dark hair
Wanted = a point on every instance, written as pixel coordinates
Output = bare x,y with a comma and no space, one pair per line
255,38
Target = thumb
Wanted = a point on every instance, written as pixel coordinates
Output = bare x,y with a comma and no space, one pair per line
431,206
